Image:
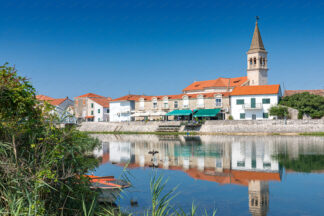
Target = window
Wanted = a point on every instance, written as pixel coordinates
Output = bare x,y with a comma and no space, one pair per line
141,103
185,102
91,105
266,100
154,101
176,105
98,110
239,101
200,101
265,115
91,112
107,110
261,61
250,61
165,103
254,60
218,102
242,115
98,119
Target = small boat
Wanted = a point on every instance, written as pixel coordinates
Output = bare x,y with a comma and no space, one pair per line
108,186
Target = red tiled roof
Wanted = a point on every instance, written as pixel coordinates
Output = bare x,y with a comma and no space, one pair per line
314,92
130,98
170,97
90,95
101,101
256,90
43,98
58,101
220,82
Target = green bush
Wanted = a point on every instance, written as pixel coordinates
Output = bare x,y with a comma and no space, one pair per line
41,165
305,103
279,111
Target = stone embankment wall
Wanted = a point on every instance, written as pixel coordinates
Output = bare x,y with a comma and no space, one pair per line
265,126
227,126
123,126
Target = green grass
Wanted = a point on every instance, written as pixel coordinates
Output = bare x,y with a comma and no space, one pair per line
312,134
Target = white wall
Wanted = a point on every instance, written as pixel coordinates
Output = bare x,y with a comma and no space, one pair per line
237,109
121,111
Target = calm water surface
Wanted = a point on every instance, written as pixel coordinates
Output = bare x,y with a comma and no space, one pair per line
237,175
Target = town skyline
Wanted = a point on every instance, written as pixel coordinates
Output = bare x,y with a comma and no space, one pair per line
157,49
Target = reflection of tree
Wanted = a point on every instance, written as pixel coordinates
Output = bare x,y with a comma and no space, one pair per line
304,163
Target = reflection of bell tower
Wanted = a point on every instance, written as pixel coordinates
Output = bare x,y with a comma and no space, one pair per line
258,197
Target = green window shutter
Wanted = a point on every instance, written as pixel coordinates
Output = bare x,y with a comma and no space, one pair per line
266,100
91,105
92,112
265,115
239,101
98,110
242,115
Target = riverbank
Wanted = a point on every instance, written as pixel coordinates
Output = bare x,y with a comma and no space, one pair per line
227,127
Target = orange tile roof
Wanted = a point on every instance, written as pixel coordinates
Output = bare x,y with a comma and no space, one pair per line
129,98
170,97
58,101
314,92
43,98
220,82
90,95
256,90
101,101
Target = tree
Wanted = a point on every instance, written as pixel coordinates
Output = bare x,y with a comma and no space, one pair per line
305,103
279,111
41,165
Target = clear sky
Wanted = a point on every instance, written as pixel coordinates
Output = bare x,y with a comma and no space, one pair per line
156,47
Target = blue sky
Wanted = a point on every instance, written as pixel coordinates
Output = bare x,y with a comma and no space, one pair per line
69,48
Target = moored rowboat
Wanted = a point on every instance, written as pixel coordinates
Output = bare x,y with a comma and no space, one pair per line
108,186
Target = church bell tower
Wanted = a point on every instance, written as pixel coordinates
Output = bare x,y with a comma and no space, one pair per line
257,61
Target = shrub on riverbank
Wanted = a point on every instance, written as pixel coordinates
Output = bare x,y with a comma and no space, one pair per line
41,165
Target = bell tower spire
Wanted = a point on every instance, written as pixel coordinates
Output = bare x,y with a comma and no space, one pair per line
257,67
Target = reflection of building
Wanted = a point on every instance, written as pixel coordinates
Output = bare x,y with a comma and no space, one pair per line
247,161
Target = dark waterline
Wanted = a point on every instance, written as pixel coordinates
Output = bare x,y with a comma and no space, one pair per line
237,175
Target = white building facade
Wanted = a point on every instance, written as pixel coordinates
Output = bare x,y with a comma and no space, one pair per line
254,102
121,111
99,109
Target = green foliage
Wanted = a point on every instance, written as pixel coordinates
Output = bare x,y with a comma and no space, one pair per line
41,165
304,163
230,117
279,111
305,103
161,200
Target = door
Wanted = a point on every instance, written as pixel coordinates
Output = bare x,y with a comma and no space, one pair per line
253,116
252,102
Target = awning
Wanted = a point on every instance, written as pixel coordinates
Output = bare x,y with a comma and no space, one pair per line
179,113
88,117
207,113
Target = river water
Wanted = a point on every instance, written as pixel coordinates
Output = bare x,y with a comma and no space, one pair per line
234,175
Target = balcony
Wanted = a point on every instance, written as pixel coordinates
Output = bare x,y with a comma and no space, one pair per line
255,106
125,110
